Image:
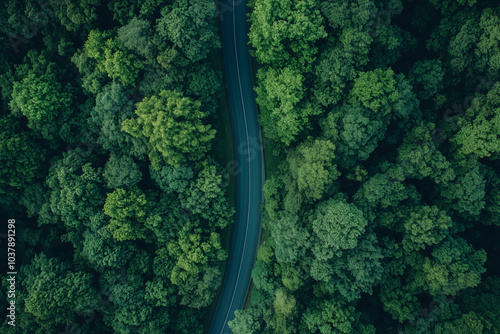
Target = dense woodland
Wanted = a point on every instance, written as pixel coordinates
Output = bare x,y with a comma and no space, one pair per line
383,214
107,144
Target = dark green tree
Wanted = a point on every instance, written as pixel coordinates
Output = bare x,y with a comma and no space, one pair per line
290,237
55,293
191,28
79,15
137,35
121,171
21,156
427,78
113,105
425,227
206,196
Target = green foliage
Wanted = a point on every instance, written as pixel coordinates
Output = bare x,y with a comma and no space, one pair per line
343,259
466,194
55,293
21,157
284,305
285,32
293,277
81,189
136,35
311,169
329,316
15,15
101,250
484,302
292,239
418,173
185,323
79,15
344,86
244,323
381,191
279,95
468,39
353,27
356,131
45,103
112,106
479,133
130,310
427,78
491,213
112,58
173,127
375,90
352,272
196,40
92,79
206,196
420,158
334,70
398,299
425,227
264,278
449,6
125,11
454,265
75,190
171,179
167,217
468,323
196,279
338,225
127,210
205,84
121,171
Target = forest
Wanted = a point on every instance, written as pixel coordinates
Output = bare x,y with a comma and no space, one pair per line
382,211
382,198
111,164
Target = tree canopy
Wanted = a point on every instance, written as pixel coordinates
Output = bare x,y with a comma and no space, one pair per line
108,116
381,201
173,128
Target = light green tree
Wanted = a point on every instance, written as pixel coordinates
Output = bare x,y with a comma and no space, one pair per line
173,127
311,169
127,209
290,237
46,103
112,57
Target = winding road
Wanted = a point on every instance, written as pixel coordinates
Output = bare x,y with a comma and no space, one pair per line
249,165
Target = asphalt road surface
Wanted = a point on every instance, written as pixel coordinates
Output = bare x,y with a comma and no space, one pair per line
248,167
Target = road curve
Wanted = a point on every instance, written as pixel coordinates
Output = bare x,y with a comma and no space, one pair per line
249,165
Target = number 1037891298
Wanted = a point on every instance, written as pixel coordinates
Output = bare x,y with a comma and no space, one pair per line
11,244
